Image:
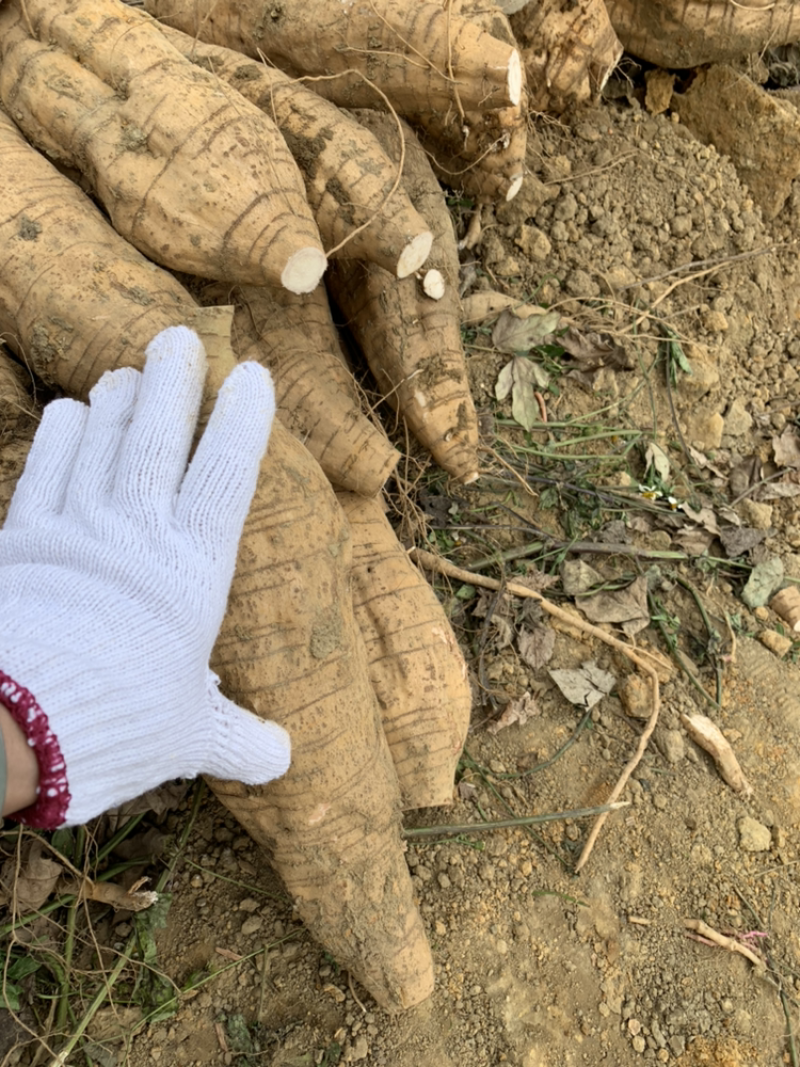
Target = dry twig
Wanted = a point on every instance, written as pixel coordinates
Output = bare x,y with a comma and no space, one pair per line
708,935
443,566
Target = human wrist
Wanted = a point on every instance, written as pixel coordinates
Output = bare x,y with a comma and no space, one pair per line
22,766
37,792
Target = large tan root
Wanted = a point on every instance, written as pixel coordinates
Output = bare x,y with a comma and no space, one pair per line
71,289
479,151
199,181
351,185
398,141
290,650
569,51
415,665
419,55
413,347
686,33
412,342
317,397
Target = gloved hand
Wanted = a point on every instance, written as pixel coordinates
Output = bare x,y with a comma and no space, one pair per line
115,566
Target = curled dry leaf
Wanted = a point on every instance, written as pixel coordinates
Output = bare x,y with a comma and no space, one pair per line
594,350
121,899
656,458
518,711
709,737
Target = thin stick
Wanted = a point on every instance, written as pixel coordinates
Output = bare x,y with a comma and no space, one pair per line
505,824
719,261
443,566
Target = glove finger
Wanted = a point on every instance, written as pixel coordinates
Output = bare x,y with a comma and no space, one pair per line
245,748
156,446
42,489
111,405
219,485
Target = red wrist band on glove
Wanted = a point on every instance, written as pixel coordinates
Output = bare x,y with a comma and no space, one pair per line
50,808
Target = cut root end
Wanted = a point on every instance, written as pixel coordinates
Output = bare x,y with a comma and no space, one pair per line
414,254
304,270
515,78
514,186
433,284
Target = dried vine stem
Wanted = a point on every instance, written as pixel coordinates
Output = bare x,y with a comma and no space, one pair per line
450,570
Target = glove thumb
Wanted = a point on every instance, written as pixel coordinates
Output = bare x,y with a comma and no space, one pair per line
244,748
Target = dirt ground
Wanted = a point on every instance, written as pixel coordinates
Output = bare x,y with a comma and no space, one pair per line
633,229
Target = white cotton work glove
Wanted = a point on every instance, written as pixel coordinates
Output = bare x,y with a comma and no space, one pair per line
115,565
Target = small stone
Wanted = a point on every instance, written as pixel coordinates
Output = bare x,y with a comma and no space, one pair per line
360,1049
704,430
588,133
658,95
755,514
715,322
639,1044
533,242
672,745
705,371
681,226
738,421
444,881
677,1044
335,992
252,925
753,835
249,905
764,579
775,642
634,1027
636,696
501,947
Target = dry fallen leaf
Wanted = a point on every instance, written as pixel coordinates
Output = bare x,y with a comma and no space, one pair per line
536,580
628,607
518,711
594,350
657,458
584,686
522,378
514,334
36,881
536,646
786,448
736,540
